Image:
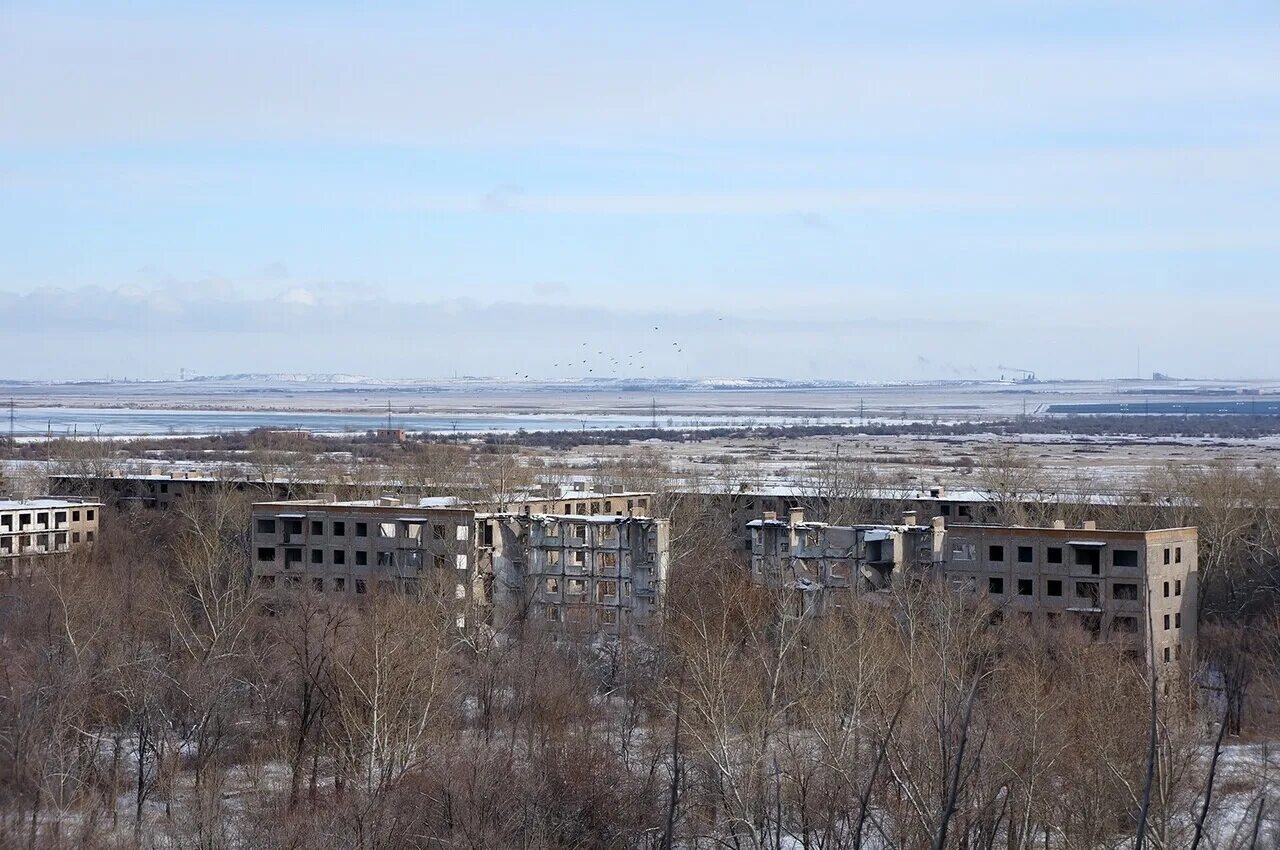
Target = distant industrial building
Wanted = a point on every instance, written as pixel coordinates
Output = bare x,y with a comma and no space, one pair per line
33,531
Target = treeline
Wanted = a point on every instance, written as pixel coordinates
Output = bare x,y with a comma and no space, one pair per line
151,697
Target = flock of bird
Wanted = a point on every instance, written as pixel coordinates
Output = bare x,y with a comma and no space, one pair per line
614,364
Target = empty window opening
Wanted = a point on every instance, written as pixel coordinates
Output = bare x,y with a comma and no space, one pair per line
1088,590
1124,591
1090,558
995,553
1124,558
1025,555
995,585
1053,555
1053,587
1025,587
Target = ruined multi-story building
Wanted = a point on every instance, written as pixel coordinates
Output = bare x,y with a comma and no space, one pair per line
589,573
602,573
1118,585
1115,585
357,547
568,501
886,504
823,565
34,530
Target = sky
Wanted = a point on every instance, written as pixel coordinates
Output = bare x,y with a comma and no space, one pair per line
847,190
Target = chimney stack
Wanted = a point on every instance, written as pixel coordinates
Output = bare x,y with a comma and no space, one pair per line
909,518
797,516
1059,524
1090,525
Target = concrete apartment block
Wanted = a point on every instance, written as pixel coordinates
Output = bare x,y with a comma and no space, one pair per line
1115,585
823,564
34,530
587,573
602,573
356,547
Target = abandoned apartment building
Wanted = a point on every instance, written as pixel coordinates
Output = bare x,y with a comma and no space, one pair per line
603,573
1106,582
34,530
886,504
168,486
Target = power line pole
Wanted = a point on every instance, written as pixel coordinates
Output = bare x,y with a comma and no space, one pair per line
11,422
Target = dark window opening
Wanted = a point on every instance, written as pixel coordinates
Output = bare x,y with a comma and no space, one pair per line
1054,554
995,553
1124,591
1090,558
1025,555
1124,558
1125,625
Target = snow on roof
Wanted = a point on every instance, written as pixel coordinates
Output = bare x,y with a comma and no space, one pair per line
45,503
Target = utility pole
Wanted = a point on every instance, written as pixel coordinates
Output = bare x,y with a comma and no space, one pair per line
11,422
653,423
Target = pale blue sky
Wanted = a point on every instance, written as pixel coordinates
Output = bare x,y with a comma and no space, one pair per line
851,190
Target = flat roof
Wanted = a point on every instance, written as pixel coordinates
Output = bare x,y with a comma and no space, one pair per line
46,503
585,519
